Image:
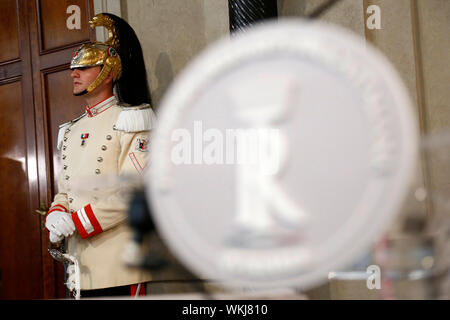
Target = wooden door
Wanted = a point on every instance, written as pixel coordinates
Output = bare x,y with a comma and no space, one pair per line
35,97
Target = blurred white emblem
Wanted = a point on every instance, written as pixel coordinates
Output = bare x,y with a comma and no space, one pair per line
280,155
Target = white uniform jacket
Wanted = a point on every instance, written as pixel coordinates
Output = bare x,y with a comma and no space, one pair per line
108,143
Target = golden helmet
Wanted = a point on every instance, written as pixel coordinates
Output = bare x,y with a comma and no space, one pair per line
99,54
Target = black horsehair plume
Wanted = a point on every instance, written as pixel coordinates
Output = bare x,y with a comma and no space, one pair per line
132,87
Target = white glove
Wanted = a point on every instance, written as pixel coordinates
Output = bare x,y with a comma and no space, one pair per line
54,238
60,223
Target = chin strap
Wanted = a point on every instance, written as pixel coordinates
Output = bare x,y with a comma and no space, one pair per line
111,64
81,93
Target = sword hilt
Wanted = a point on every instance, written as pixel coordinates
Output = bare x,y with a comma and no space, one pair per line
56,251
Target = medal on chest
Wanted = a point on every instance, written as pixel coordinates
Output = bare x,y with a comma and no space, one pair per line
84,136
142,144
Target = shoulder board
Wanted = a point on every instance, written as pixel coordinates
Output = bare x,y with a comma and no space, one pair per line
135,118
62,130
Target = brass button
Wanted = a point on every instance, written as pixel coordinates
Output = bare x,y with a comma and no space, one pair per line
99,159
97,171
108,137
103,147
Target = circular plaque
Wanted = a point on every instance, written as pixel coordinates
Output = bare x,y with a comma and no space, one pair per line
280,155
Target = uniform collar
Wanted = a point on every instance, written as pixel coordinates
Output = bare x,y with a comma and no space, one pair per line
101,106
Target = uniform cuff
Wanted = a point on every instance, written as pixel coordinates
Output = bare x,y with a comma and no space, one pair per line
53,208
86,222
56,207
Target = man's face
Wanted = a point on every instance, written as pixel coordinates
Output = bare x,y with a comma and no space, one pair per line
83,77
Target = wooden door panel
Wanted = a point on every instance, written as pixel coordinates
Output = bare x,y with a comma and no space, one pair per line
21,275
10,69
53,31
9,40
35,97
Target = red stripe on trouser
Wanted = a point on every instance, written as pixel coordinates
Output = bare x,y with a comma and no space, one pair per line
133,289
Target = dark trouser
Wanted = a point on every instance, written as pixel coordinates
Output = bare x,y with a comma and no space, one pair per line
125,291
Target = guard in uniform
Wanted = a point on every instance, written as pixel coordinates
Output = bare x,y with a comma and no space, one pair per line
108,141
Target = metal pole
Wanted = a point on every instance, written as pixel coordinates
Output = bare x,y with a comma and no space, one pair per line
243,13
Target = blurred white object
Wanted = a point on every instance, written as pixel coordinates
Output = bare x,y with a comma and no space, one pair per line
328,168
133,254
